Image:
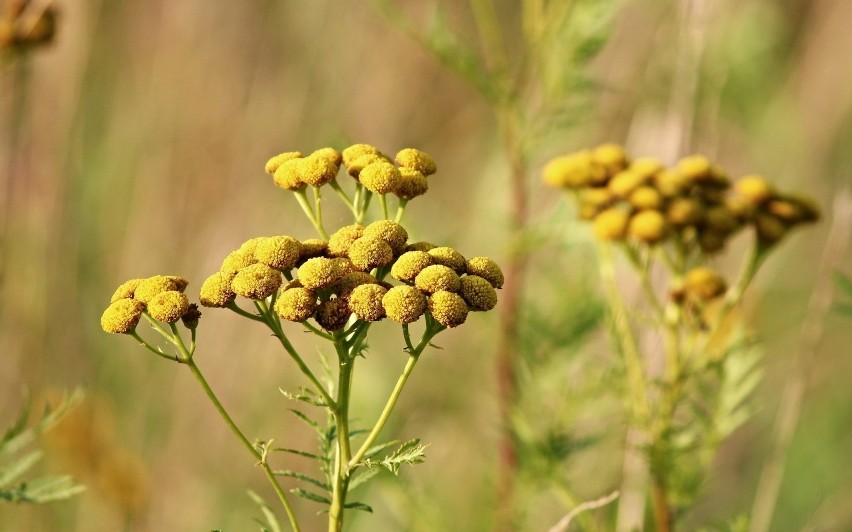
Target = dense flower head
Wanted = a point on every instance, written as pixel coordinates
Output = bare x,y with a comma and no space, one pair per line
478,293
412,183
704,283
125,290
146,289
334,156
409,264
449,257
448,308
317,170
404,304
695,202
420,246
332,314
380,177
340,240
365,301
216,290
487,269
288,175
350,281
275,162
416,160
122,316
356,151
437,277
279,252
321,272
168,306
390,232
257,281
237,260
296,304
310,248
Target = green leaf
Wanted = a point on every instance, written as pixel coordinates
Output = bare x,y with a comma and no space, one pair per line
376,449
363,476
309,422
358,506
410,452
311,496
19,424
843,282
272,524
18,467
305,478
47,489
301,453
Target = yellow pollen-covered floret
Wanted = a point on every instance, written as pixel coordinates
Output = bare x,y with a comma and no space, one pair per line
478,293
648,226
216,290
671,184
366,302
610,224
355,167
296,304
279,252
320,272
317,171
487,269
257,281
352,280
168,306
645,197
356,151
289,175
704,283
409,264
237,260
437,277
684,211
380,177
122,316
332,314
611,156
273,163
340,240
625,182
417,160
448,309
755,189
570,171
250,245
369,252
694,168
411,184
404,304
449,257
125,290
646,166
329,153
389,232
312,247
420,246
148,288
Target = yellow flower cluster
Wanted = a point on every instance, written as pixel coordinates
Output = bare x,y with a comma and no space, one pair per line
694,202
161,296
404,176
333,280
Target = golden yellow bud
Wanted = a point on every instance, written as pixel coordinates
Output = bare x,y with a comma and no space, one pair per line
320,272
411,184
610,224
448,309
125,290
389,232
409,264
273,163
340,240
449,257
279,252
169,306
648,226
380,177
296,304
417,160
437,277
216,290
257,281
645,197
122,316
369,252
755,189
478,293
487,269
704,283
366,302
404,304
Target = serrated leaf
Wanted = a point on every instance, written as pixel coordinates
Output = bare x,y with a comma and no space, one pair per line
47,489
268,514
18,467
311,496
309,422
363,476
376,449
305,478
410,452
358,506
301,453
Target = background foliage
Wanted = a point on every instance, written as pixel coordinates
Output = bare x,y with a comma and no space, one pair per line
143,133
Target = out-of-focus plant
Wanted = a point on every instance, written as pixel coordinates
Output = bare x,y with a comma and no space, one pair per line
529,66
25,26
686,384
16,462
343,282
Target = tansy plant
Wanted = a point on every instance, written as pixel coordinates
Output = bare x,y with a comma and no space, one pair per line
687,378
336,287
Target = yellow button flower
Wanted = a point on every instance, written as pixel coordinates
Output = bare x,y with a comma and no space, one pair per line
122,316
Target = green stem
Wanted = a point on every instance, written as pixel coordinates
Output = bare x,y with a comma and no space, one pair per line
366,196
346,366
155,350
344,197
384,203
318,209
244,313
400,210
302,198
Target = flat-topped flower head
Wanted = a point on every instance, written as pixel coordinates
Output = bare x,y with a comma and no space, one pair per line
646,166
404,304
296,304
257,281
125,290
122,316
695,168
356,151
449,257
409,264
478,293
288,175
704,283
411,184
355,167
645,197
169,306
250,245
648,226
448,308
332,314
684,211
625,182
610,156
610,224
321,272
340,240
420,246
148,288
316,171
389,232
570,171
436,278
417,160
331,154
380,177
487,269
365,301
350,281
755,189
671,184
237,260
369,252
216,290
273,163
312,247
279,252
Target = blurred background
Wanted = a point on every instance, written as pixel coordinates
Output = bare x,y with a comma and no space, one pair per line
134,145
